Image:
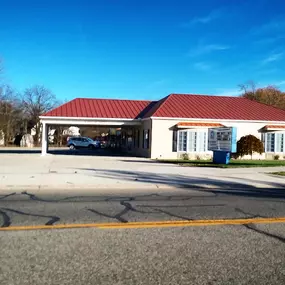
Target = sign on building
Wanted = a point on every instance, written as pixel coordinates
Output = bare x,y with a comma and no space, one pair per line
224,139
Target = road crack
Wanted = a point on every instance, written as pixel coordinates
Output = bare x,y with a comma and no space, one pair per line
53,219
252,227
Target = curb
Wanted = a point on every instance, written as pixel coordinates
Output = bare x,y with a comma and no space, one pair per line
82,187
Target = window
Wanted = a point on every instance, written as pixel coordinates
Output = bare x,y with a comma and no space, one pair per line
273,142
138,139
124,139
263,135
134,138
192,141
174,141
279,143
182,141
146,139
205,145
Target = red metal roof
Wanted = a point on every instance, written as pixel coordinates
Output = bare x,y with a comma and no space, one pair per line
172,106
101,108
216,107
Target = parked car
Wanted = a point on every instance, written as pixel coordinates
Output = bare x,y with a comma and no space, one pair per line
103,144
82,142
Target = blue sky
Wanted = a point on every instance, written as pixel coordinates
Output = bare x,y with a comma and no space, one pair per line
141,49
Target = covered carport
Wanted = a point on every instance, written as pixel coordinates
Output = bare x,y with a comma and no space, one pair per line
124,114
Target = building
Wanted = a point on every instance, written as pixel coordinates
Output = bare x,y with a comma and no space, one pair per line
174,125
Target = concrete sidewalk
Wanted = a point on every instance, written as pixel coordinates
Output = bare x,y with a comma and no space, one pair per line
30,171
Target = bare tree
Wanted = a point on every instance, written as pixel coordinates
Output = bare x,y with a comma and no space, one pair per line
37,100
248,89
10,113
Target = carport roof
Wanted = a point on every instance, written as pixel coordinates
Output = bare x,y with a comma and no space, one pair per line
101,108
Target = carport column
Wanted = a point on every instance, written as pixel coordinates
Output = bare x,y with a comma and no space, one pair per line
44,138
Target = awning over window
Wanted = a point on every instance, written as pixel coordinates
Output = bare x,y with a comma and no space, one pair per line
194,125
274,127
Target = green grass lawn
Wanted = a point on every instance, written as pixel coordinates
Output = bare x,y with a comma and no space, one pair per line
281,173
232,164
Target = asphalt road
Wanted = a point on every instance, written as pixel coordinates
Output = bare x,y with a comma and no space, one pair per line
227,254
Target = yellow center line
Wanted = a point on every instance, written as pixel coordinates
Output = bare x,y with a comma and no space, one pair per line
154,224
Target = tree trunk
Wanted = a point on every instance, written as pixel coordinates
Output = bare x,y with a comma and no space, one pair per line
8,132
37,135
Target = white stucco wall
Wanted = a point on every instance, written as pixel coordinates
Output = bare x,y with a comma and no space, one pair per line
162,135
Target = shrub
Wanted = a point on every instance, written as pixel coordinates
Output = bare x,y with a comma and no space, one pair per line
234,155
276,157
185,156
248,145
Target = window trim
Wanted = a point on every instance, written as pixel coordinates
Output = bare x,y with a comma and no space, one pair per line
268,148
199,145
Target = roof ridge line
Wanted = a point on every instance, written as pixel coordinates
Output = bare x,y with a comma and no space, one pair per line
111,99
204,95
161,105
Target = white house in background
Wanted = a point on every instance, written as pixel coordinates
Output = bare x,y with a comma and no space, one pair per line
174,125
72,131
27,141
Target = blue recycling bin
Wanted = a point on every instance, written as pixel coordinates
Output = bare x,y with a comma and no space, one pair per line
221,157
